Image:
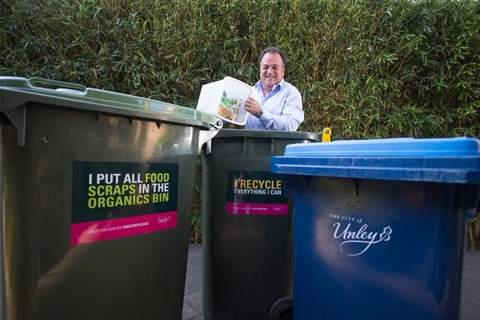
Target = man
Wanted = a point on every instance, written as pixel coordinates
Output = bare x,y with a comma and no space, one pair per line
276,104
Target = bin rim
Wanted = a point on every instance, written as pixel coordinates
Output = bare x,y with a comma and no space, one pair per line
16,91
275,134
390,147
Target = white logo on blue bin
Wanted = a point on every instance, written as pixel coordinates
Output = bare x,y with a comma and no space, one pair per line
359,241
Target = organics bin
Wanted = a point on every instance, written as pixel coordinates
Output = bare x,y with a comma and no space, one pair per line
380,226
247,231
96,192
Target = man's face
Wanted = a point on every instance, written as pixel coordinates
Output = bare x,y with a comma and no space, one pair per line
271,69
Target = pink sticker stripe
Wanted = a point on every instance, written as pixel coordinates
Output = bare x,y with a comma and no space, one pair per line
264,209
94,231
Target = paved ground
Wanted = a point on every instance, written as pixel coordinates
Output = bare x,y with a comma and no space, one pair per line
192,303
469,308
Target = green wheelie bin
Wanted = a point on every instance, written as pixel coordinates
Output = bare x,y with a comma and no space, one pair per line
247,226
96,201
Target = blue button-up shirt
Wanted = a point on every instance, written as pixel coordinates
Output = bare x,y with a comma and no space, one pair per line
282,108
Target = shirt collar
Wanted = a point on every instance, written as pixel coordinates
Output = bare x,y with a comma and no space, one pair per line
258,85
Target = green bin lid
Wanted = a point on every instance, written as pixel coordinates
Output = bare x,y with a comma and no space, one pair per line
16,91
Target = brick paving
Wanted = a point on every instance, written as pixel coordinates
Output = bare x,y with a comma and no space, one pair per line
469,305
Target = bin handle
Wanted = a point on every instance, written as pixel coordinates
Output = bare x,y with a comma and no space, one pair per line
326,134
55,84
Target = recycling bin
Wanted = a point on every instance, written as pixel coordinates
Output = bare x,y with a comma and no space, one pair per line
247,226
96,193
380,226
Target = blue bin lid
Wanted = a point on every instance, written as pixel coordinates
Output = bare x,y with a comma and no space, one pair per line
448,160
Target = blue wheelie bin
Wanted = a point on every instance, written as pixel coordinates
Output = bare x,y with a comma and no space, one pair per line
379,226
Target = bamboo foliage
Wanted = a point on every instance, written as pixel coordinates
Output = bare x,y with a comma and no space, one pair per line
366,68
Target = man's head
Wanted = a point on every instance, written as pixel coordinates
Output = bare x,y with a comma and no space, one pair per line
272,67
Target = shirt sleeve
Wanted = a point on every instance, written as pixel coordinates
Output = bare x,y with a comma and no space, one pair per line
290,114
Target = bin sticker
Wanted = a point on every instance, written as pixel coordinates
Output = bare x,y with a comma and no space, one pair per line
256,193
357,237
117,199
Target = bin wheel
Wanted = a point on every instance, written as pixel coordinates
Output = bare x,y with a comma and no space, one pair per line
282,309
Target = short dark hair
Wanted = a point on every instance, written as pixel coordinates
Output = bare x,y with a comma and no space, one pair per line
272,50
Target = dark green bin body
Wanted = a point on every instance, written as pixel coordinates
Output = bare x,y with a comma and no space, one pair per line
46,135
247,258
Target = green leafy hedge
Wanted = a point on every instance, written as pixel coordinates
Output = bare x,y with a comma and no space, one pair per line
366,69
